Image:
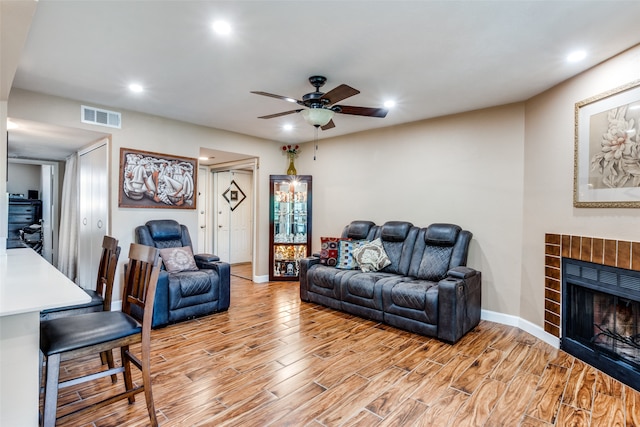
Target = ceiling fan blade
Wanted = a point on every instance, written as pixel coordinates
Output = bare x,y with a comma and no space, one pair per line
284,98
339,93
328,125
362,111
271,116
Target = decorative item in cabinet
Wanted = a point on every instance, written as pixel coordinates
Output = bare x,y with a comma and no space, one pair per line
289,224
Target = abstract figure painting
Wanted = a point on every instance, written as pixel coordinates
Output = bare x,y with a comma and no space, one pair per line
153,180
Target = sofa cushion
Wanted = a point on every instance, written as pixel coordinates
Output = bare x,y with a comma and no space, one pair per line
346,261
371,256
435,263
358,230
442,234
165,233
395,231
187,289
179,259
413,299
398,239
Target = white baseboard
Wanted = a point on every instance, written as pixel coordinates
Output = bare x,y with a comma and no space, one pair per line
525,325
260,279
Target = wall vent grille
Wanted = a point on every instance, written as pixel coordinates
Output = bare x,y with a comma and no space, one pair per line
100,117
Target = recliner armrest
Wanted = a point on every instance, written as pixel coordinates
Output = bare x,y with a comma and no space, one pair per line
206,257
461,272
208,264
224,273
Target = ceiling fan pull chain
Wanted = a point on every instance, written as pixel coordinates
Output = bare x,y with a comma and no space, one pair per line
315,144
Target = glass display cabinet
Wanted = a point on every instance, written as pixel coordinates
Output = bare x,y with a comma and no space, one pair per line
289,224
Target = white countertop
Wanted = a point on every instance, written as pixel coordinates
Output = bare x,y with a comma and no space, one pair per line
29,283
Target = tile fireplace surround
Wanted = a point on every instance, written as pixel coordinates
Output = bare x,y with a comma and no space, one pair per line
614,253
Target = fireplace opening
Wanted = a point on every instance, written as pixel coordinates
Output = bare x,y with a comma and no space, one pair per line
600,318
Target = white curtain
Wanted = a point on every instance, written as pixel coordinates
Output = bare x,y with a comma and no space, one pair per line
68,239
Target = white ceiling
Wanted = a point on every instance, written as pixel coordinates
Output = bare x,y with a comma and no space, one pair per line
433,58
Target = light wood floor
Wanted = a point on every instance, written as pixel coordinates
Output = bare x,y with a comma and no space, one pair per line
273,360
242,270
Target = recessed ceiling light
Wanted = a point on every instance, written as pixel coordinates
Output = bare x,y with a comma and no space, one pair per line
203,158
290,100
576,56
389,104
135,87
288,126
221,27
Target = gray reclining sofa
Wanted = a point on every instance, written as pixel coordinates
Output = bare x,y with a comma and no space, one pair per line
427,289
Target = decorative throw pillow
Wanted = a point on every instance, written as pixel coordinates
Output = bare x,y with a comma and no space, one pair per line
329,250
371,256
178,259
345,254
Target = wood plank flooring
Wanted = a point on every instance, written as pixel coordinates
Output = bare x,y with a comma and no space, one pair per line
242,270
272,360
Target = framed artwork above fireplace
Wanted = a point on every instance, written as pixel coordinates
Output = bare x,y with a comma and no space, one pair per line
607,149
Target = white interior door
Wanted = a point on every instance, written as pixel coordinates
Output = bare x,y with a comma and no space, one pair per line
204,236
234,215
222,216
94,212
241,215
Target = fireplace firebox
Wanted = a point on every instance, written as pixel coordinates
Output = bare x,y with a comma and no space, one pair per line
600,314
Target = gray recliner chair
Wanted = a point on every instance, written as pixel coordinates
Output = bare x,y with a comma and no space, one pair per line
185,294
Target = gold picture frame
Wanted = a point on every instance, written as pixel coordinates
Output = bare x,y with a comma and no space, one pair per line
607,149
154,180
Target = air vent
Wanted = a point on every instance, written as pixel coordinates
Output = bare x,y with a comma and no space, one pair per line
97,116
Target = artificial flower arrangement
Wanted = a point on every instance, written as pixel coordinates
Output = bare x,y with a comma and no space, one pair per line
291,150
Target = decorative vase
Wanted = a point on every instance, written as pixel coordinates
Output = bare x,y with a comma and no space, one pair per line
292,167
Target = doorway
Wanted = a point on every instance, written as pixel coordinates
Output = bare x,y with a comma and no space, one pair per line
38,179
233,207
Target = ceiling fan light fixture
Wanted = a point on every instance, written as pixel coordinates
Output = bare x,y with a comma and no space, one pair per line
317,116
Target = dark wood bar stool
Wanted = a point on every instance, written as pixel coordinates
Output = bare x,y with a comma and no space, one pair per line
100,298
73,337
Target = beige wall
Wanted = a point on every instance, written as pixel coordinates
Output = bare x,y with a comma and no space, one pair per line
465,169
548,180
151,133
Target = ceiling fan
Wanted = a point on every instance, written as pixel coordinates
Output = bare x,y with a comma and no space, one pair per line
320,107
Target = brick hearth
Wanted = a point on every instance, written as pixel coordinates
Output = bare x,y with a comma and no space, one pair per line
614,253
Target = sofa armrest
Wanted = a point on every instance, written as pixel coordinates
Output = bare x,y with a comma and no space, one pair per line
459,303
206,257
461,272
305,265
224,273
